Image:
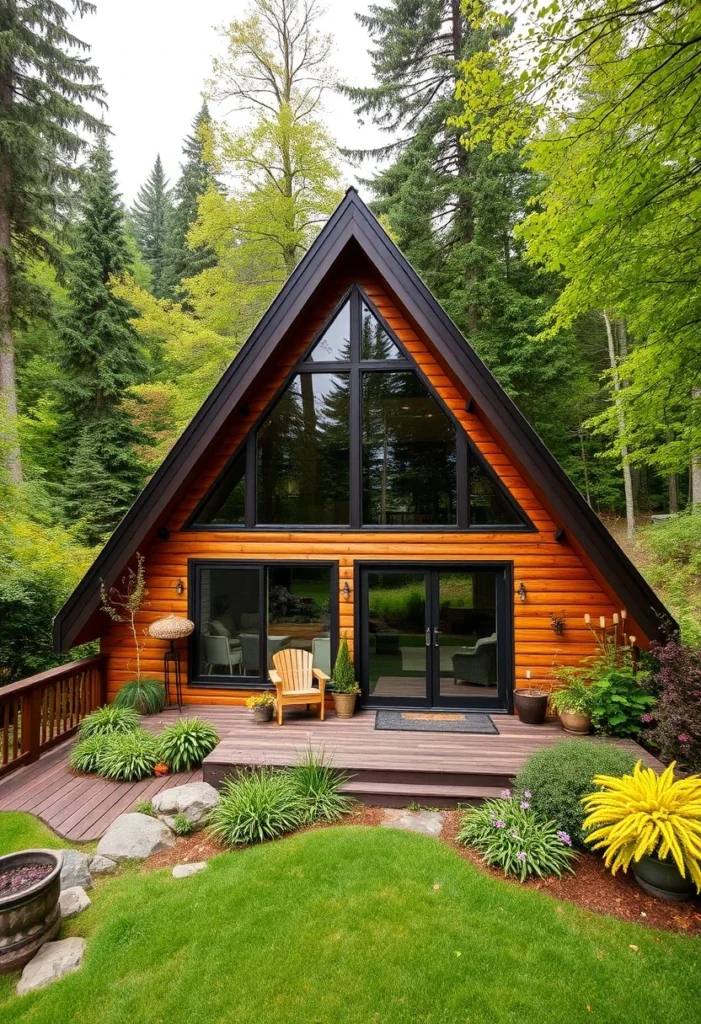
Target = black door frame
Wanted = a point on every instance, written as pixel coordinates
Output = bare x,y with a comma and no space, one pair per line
503,702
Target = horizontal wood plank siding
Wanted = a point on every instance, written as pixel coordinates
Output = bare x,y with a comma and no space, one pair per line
556,578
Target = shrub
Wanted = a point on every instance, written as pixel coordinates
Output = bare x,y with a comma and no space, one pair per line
558,777
343,671
86,753
185,744
256,806
574,696
619,701
645,813
129,756
317,785
146,696
182,826
510,835
673,567
676,681
145,807
108,720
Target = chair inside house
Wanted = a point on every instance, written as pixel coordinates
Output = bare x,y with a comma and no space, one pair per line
321,653
477,667
293,677
219,654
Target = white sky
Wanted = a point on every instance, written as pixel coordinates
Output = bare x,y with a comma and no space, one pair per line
154,56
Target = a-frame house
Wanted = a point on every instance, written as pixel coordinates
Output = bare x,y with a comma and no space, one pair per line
358,470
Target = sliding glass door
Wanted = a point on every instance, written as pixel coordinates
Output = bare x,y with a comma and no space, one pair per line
436,636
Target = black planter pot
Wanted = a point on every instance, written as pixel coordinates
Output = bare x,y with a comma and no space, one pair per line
531,705
662,878
31,917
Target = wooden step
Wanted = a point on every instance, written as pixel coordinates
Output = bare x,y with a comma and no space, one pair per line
401,794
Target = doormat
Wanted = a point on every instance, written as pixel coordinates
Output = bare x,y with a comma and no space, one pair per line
435,721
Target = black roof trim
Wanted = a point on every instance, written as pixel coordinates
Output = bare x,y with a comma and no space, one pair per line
353,220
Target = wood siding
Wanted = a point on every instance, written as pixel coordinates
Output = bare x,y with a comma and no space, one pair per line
556,578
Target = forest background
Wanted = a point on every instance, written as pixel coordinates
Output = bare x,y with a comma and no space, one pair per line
538,163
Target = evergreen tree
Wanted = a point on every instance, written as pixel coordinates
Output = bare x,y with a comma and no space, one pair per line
44,82
150,216
102,359
196,176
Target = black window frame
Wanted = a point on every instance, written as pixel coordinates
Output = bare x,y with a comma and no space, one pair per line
196,679
465,453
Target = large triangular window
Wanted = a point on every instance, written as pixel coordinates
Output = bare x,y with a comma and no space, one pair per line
362,443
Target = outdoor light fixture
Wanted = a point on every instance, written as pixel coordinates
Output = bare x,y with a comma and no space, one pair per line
179,588
522,591
346,591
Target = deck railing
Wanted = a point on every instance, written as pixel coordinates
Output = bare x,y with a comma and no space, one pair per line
45,709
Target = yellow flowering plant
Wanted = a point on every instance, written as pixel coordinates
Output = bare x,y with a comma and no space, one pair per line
645,813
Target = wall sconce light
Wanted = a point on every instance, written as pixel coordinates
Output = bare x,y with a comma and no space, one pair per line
346,591
179,588
522,591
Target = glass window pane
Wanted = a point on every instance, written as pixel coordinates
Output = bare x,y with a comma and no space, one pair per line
229,623
227,503
468,634
299,611
334,343
303,454
397,635
408,453
489,505
376,342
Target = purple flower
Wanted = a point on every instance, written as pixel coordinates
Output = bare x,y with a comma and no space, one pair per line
525,805
564,838
506,794
647,718
521,856
500,824
527,793
684,737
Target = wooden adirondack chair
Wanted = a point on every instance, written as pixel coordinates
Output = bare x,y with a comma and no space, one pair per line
293,677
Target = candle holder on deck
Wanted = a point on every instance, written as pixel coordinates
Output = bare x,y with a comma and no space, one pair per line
172,628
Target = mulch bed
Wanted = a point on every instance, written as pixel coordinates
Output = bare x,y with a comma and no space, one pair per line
14,880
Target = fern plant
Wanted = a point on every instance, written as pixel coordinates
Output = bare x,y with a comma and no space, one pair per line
107,720
128,757
647,814
185,744
145,696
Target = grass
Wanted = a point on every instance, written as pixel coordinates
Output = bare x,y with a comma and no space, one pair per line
20,831
357,925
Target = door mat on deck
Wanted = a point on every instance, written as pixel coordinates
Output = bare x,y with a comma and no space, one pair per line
435,721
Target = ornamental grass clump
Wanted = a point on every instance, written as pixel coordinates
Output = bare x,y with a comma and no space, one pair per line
85,755
107,720
511,836
185,744
256,806
645,814
145,696
128,757
317,784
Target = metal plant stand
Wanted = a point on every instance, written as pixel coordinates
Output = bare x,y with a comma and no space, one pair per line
172,676
172,628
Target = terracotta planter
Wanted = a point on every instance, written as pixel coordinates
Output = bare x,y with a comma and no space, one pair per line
263,714
531,705
345,704
662,878
578,725
31,917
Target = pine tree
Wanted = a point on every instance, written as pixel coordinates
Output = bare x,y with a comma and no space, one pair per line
196,176
150,216
102,359
44,82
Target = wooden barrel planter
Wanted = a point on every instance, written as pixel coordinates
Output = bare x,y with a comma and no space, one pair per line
29,910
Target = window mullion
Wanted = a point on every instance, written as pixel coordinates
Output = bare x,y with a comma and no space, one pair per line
462,475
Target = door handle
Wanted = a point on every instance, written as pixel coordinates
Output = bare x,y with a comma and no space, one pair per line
436,634
428,636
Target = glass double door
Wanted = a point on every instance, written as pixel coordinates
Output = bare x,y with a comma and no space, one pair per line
435,636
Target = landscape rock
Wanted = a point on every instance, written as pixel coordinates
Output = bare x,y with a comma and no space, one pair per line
53,961
75,870
72,901
135,837
194,800
186,870
102,865
428,823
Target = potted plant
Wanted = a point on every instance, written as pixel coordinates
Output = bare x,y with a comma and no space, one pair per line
531,704
573,701
651,823
30,885
261,704
345,686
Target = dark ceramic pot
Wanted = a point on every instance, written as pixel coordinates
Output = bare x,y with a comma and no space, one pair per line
531,705
662,878
263,714
31,917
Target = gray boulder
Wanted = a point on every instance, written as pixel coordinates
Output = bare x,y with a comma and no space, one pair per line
73,901
53,961
102,865
194,800
75,870
135,837
186,870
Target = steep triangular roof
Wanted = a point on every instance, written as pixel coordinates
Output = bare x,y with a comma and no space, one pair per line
352,221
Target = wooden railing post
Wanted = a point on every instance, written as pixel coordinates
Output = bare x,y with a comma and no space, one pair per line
31,723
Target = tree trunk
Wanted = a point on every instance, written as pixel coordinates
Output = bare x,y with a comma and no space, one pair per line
673,492
587,493
9,436
696,466
620,415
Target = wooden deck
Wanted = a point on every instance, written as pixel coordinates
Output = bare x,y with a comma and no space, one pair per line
389,768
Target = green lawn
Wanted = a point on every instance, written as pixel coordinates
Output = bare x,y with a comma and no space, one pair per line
20,831
347,925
